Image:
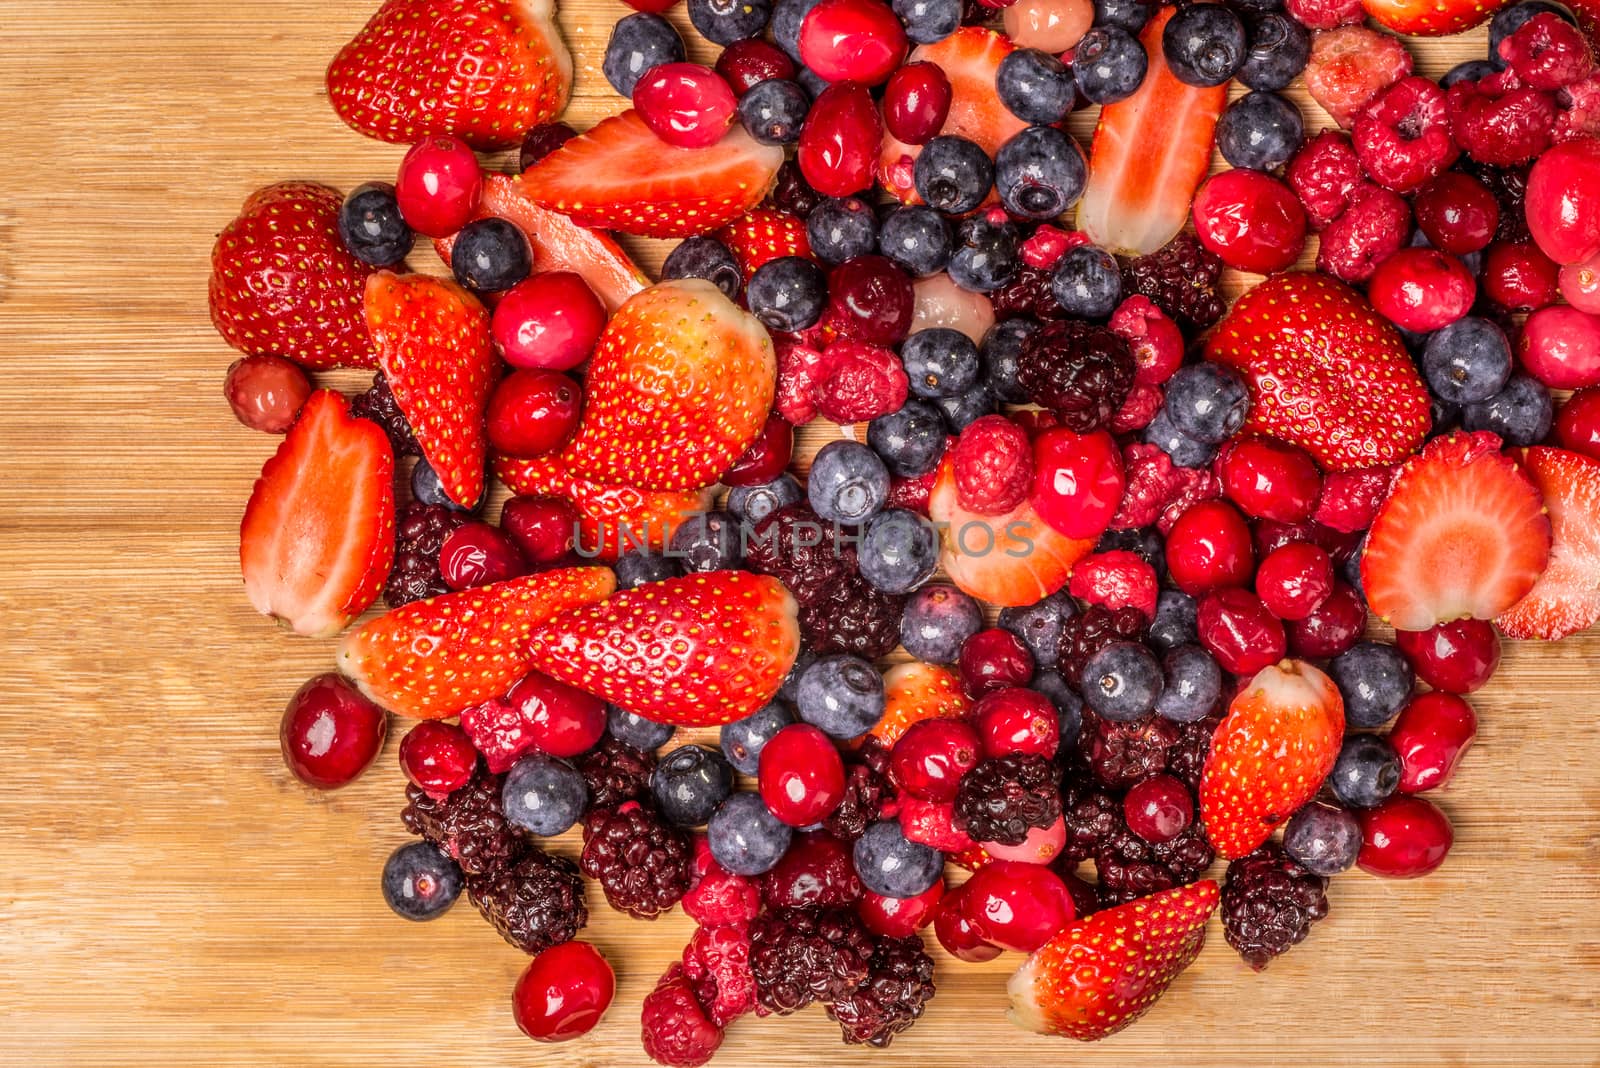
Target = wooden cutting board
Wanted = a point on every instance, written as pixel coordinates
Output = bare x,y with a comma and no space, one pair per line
169,895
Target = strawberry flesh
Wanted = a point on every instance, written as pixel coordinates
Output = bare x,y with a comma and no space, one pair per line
1566,599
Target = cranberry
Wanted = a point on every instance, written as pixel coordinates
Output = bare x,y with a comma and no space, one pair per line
916,102
532,412
437,757
1158,809
563,992
1048,25
959,935
266,392
1456,657
1578,423
1209,547
767,456
817,870
1517,276
1431,735
870,300
1403,838
839,142
993,659
1237,629
477,554
931,757
1017,720
562,720
1016,906
1403,136
1270,479
330,732
1457,213
1077,481
1041,846
1580,285
747,63
1294,580
899,917
1421,289
439,185
1251,220
543,528
550,320
1334,626
801,776
685,104
1560,346
852,40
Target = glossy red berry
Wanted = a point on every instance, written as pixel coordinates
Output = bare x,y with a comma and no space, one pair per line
562,720
550,320
766,458
817,871
1016,906
1577,423
899,917
533,412
1334,626
685,104
931,757
1580,284
1250,220
1209,547
1017,720
1236,628
852,40
1405,837
1078,481
870,300
1158,809
1270,479
993,659
477,554
563,992
916,102
801,776
266,392
330,732
1431,735
1422,289
1560,346
1456,657
1519,277
1294,580
437,757
544,528
958,934
838,148
1456,213
439,185
747,63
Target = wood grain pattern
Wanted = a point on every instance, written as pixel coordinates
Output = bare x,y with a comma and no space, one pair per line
170,896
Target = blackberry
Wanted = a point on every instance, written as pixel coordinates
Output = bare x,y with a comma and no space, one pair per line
419,533
802,955
899,984
1180,278
1091,815
1002,799
1081,371
1121,754
865,791
1510,187
641,861
378,404
615,772
1028,293
1269,904
853,616
801,550
1128,867
467,823
535,903
1187,757
1092,630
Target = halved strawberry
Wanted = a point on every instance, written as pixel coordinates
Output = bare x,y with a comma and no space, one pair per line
1150,152
680,385
430,659
1104,971
1431,18
1566,599
914,692
1326,372
485,70
1269,754
437,355
622,176
762,235
1463,533
1010,560
695,651
317,537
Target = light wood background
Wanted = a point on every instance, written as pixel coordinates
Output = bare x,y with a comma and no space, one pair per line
169,895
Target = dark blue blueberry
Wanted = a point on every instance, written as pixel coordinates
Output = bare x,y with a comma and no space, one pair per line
987,254
491,255
1375,680
964,409
1323,839
848,483
891,864
927,21
705,542
1468,361
1521,413
689,783
1109,64
1204,44
841,228
1180,448
636,567
707,258
1035,86
745,837
787,15
1207,402
911,440
420,881
773,111
1128,16
1001,358
1069,706
1278,48
953,174
638,42
898,551
426,487
1087,283
725,21
916,238
1176,622
787,293
936,621
811,82
1039,625
543,795
841,695
1366,772
1122,681
743,739
1193,684
940,362
752,504
635,730
1260,131
1040,172
1472,70
371,227
1508,20
1443,417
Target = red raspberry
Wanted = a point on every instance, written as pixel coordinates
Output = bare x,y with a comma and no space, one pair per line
993,466
1136,413
1048,244
1403,136
1579,114
1324,14
933,824
717,964
1116,579
1350,66
1324,174
799,370
718,896
1151,480
912,493
1152,337
1500,121
1197,486
500,732
1373,228
1548,52
1350,499
859,382
674,1028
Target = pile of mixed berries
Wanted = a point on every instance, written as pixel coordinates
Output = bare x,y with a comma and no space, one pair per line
1184,513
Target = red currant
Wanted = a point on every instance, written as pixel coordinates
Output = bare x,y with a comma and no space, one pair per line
801,776
1270,479
838,149
563,992
477,554
852,40
1456,213
1422,289
550,320
1250,220
747,63
1519,277
1210,547
931,757
685,104
1017,720
330,732
1431,735
916,102
899,917
562,720
1158,809
1236,628
439,185
1294,580
266,392
1405,837
1016,906
437,757
533,412
544,528
1456,657
1077,481
993,659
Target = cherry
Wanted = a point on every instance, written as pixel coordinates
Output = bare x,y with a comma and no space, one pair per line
563,992
1017,720
801,776
1016,906
562,720
1270,479
1578,423
1294,580
1405,837
685,104
1431,735
899,917
1236,628
1519,277
1041,846
1332,627
477,554
439,185
1250,220
916,102
818,870
437,757
767,456
1421,289
1456,657
330,732
1580,285
1456,213
838,148
959,935
1158,809
870,300
543,528
532,412
1209,547
745,64
266,392
1563,201
1560,346
993,659
931,757
852,40
1077,481
550,320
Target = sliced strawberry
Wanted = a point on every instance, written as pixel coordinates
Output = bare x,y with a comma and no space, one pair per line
1431,18
435,658
1269,754
485,70
762,235
1462,534
437,355
318,534
695,651
622,176
1566,599
1150,152
283,284
914,692
558,243
1010,560
1104,971
1326,372
680,385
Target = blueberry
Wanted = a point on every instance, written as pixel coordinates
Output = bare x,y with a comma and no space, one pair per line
1277,50
1521,413
772,111
1261,131
1443,417
898,551
1000,356
911,440
689,783
953,174
1035,86
787,15
635,730
426,487
1204,44
1508,20
1180,448
708,541
940,362
787,293
1109,64
1087,283
1039,625
927,21
1122,681
1040,172
1193,684
371,227
841,228
1207,402
936,621
1472,70
708,258
1366,772
1176,621
891,864
964,409
543,795
1375,680
491,256
841,695
752,504
987,254
1069,706
848,483
1323,839
743,739
420,881
916,238
725,21
745,837
812,82
1468,361
1128,16
636,567
638,42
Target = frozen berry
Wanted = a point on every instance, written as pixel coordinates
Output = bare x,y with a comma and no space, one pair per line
1236,628
1039,173
1204,44
420,881
1109,64
1467,361
1261,131
801,775
1035,86
1457,213
842,695
639,43
491,256
1431,735
993,659
1158,809
953,174
439,185
1210,547
1404,838
1366,772
1456,657
330,732
1421,289
1521,413
543,795
1560,346
916,101
477,554
1375,680
1324,839
371,227
1122,681
1250,219
1192,686
838,146
937,621
563,992
266,392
